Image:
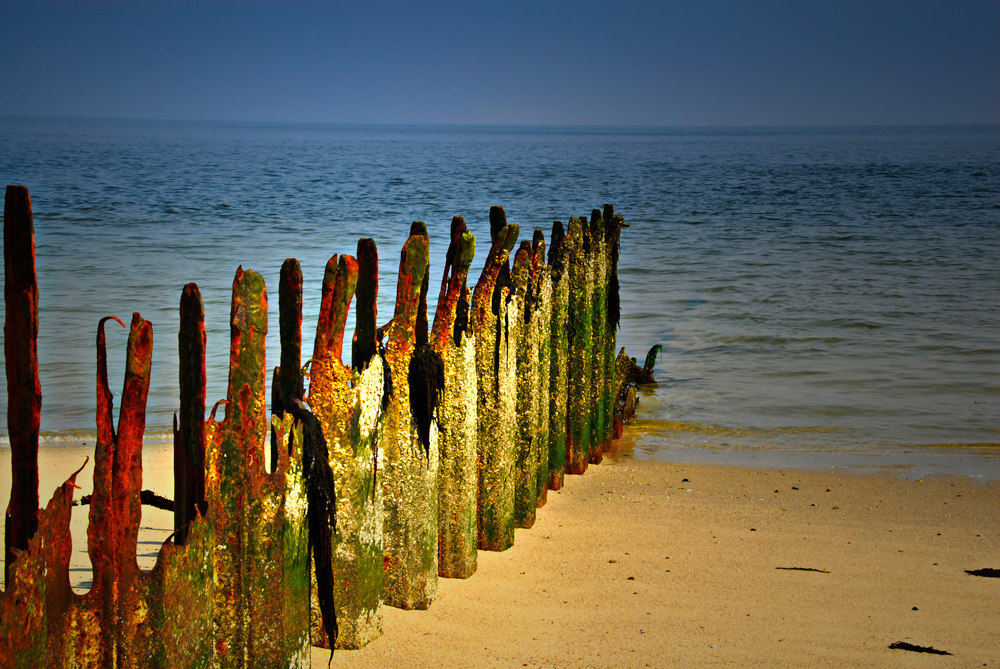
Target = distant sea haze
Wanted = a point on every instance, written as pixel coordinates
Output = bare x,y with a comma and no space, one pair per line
824,295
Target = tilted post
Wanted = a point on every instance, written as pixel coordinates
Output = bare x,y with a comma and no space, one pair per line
491,320
458,472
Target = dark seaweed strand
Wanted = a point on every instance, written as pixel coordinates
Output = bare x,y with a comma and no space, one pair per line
462,316
614,289
503,281
365,300
321,514
555,257
902,645
146,498
420,328
498,221
426,380
458,228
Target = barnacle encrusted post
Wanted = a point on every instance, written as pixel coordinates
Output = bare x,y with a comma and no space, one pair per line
526,408
598,315
348,405
559,353
613,226
458,471
409,477
542,325
189,435
580,349
261,559
491,320
24,390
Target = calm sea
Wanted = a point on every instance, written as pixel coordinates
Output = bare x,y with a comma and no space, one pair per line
824,296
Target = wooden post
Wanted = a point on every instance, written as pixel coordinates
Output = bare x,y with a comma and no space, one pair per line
579,324
526,413
189,437
348,404
492,320
262,600
458,475
612,236
559,351
409,479
598,315
543,332
24,391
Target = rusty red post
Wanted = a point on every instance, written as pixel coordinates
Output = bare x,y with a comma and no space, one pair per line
24,391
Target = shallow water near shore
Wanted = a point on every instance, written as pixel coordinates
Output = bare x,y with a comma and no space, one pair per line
826,296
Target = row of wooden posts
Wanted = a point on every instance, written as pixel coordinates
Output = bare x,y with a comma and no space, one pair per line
437,441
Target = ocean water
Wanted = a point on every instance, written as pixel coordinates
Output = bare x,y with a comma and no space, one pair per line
823,295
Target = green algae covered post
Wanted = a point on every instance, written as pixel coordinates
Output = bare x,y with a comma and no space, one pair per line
409,475
526,412
559,353
613,226
598,313
491,320
261,560
348,404
542,323
458,475
579,325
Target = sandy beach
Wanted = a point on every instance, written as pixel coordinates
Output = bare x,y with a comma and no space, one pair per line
643,563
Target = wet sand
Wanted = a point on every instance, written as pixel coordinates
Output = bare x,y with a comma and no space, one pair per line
632,566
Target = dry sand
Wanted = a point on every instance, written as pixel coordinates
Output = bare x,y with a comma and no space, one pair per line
632,566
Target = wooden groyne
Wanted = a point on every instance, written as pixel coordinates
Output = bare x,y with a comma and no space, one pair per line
435,442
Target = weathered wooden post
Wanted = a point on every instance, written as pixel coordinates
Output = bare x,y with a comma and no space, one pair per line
189,436
542,322
261,563
24,391
559,351
613,226
527,382
492,320
458,477
409,479
115,509
348,405
579,325
598,315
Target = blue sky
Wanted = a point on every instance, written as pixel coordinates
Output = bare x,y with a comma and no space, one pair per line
710,62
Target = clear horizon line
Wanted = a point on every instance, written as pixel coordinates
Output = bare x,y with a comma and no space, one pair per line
426,124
